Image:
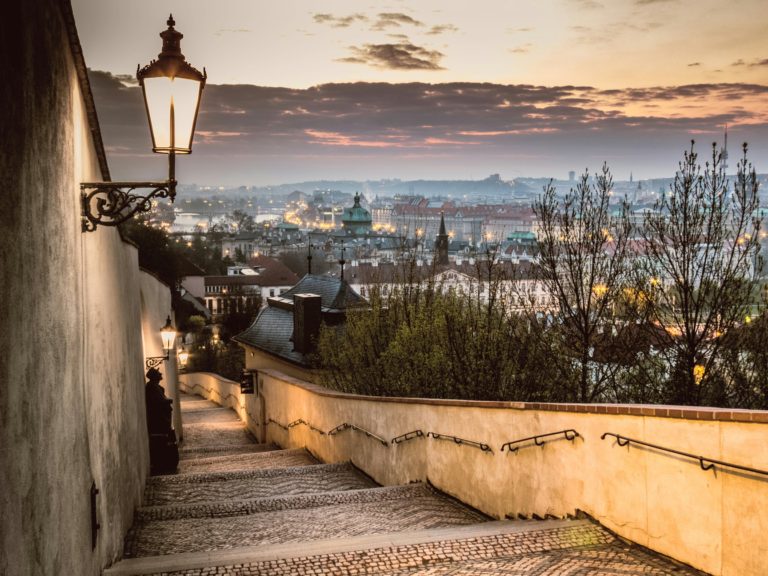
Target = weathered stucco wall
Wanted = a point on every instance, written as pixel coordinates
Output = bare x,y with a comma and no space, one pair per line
256,359
713,520
217,389
71,358
156,303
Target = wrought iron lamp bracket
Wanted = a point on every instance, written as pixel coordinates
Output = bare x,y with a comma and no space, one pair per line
154,361
112,203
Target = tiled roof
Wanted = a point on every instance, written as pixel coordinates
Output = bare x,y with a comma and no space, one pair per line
273,328
334,293
274,272
189,268
271,332
270,272
388,273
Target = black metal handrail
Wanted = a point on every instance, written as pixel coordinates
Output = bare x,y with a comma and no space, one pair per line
348,426
407,436
705,463
438,436
196,385
252,417
569,434
307,424
276,423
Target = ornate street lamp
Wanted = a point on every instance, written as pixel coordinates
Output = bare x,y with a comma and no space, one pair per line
171,89
183,358
168,334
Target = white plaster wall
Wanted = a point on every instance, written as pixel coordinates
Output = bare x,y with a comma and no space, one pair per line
155,309
715,521
220,390
256,359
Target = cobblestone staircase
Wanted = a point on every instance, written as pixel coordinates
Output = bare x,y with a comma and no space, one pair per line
237,507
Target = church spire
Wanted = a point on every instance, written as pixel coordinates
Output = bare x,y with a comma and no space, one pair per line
441,243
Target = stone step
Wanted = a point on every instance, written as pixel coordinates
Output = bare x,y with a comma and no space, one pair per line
244,507
246,461
301,519
201,434
189,402
210,415
263,483
188,453
550,547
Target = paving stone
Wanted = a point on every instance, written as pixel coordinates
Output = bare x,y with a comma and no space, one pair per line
581,550
220,450
209,415
247,461
279,503
205,433
337,515
259,483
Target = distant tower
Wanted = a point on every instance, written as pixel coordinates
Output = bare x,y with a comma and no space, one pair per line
630,178
725,151
571,176
441,243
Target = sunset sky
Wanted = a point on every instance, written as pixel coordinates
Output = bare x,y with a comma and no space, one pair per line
435,89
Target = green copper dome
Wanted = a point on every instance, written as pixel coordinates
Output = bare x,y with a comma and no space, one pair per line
357,219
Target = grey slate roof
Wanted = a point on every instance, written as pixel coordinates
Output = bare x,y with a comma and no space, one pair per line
271,332
335,295
273,328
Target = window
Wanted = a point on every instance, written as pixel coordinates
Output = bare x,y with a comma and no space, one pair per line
271,291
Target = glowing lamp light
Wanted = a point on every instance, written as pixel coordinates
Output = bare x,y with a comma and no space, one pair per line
183,358
168,334
698,373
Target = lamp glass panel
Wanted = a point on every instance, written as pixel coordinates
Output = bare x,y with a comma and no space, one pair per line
158,92
186,94
168,337
162,94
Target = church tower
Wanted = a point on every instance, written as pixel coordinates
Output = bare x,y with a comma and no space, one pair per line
441,243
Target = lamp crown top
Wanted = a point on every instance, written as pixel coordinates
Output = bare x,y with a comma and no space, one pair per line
171,40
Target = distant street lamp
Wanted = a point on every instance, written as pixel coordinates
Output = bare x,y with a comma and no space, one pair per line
168,335
171,88
183,358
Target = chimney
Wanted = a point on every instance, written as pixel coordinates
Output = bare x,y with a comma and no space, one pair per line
306,322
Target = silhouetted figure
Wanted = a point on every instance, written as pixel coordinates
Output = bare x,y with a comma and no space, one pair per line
163,448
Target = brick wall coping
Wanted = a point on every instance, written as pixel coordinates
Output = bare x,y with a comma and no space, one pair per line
659,411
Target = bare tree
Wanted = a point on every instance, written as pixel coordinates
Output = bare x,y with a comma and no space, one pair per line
699,246
583,256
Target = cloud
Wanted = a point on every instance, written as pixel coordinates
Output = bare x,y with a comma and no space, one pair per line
222,31
522,49
394,19
442,28
400,56
693,64
648,2
339,21
757,62
519,30
589,4
379,129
